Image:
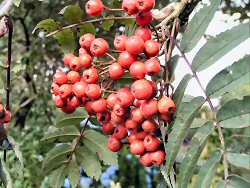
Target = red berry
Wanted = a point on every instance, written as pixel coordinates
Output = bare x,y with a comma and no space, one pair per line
60,78
116,120
68,58
125,59
134,45
130,124
137,147
142,89
119,42
88,107
93,91
138,103
149,108
54,89
141,135
151,143
166,105
119,110
143,32
99,105
75,64
7,116
166,117
145,160
125,97
68,109
73,77
112,100
132,137
79,89
158,157
149,126
94,7
129,6
115,71
86,40
108,128
153,66
59,102
74,102
145,5
99,47
114,144
82,51
136,115
152,48
137,70
120,132
144,18
85,60
90,76
65,91
103,117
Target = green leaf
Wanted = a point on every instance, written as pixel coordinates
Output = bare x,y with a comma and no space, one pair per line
97,142
72,13
66,40
5,175
240,160
87,28
198,25
198,122
235,114
235,181
47,25
70,121
107,24
89,161
231,78
17,2
58,177
56,157
68,133
74,173
180,90
207,171
217,47
184,118
198,143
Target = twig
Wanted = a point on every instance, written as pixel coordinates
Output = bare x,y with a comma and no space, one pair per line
112,57
112,9
88,21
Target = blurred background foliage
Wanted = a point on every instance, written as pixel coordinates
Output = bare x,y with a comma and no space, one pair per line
35,59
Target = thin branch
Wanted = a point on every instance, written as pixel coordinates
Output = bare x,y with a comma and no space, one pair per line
113,9
88,21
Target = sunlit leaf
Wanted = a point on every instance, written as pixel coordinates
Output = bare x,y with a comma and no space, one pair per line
66,40
235,181
87,28
240,160
58,177
74,172
70,121
47,25
72,13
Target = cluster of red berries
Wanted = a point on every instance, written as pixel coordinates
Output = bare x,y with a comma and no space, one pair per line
5,115
140,8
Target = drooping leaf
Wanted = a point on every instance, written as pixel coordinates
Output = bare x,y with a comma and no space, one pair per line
240,160
66,40
207,171
218,46
70,121
198,25
47,25
107,24
230,78
235,113
89,161
56,157
74,172
58,176
62,133
184,118
72,13
180,90
198,143
87,28
235,181
5,175
97,142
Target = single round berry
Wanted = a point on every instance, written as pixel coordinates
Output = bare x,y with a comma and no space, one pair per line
151,143
86,40
158,157
144,18
134,45
94,7
112,100
90,75
130,124
136,115
119,110
68,58
145,160
119,42
125,59
99,47
75,64
65,91
114,144
85,60
117,120
149,108
7,116
149,126
144,33
54,89
145,5
153,66
82,51
138,70
137,147
120,133
79,89
152,48
74,102
141,135
129,6
166,105
166,117
68,109
88,107
116,71
125,97
108,128
73,77
99,105
60,78
59,102
142,89
103,117
93,91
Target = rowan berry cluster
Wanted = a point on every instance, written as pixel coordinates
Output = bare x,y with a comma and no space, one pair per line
5,115
130,114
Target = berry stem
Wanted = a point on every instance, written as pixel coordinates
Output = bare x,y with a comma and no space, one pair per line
113,9
89,21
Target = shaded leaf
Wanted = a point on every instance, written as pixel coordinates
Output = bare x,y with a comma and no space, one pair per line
198,143
198,122
184,118
240,160
218,46
47,25
230,78
235,182
107,24
207,171
66,40
87,28
72,13
198,25
64,133
70,121
96,142
235,113
58,177
5,175
89,161
74,173
180,90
